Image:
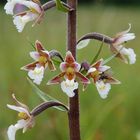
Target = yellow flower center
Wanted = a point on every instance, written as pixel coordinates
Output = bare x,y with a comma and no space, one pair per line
23,115
102,87
34,10
70,73
95,73
42,59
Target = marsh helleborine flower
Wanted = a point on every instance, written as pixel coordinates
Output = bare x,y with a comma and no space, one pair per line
24,11
42,61
70,71
26,119
117,46
101,78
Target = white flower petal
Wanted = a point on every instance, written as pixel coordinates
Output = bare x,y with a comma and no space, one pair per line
9,8
77,66
103,89
68,87
32,5
125,38
130,54
13,128
103,68
82,44
35,55
91,70
36,74
21,21
19,109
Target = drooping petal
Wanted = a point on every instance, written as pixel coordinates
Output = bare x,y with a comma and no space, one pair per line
9,7
82,78
130,54
21,21
13,128
69,58
68,87
56,79
103,89
36,74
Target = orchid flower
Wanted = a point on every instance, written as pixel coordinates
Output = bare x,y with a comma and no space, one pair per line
70,71
24,11
117,46
101,78
26,119
42,61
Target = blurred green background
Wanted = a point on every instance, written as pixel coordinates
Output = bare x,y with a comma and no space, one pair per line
116,118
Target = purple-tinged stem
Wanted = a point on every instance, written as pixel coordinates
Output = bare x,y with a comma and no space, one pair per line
73,114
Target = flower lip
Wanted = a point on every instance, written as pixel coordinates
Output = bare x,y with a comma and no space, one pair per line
103,89
69,86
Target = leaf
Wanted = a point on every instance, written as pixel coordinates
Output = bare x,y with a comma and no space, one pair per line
110,58
44,96
82,44
61,7
98,53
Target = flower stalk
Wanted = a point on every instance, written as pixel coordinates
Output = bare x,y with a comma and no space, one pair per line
73,114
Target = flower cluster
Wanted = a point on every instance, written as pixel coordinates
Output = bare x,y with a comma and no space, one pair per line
72,73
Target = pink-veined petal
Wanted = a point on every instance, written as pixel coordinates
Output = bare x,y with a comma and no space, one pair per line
30,66
82,78
69,58
56,79
39,47
97,64
63,66
77,66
